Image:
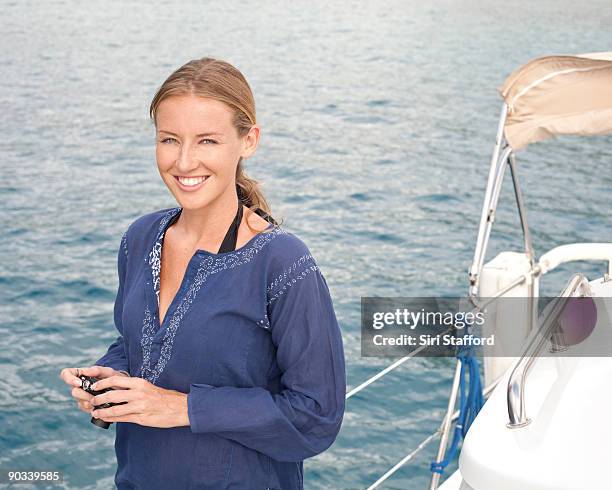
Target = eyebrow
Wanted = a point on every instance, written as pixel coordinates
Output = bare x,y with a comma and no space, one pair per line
197,135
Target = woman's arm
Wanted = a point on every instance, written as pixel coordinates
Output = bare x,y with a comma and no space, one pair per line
305,417
115,356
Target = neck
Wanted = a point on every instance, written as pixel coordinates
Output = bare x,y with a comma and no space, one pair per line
206,227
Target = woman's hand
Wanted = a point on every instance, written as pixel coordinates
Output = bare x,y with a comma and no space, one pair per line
147,404
70,376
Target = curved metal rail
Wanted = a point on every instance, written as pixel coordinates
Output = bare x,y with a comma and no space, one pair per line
516,383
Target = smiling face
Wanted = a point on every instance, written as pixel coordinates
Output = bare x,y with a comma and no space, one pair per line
198,148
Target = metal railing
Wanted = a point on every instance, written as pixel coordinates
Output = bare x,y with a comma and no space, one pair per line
516,383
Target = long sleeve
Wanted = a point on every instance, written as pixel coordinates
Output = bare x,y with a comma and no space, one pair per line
305,417
115,356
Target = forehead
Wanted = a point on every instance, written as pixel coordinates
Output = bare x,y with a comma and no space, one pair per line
192,112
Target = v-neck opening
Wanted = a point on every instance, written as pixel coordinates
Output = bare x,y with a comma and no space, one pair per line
158,247
158,337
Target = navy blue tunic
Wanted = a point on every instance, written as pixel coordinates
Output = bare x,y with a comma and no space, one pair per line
252,337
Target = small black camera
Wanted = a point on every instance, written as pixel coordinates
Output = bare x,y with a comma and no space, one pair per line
86,382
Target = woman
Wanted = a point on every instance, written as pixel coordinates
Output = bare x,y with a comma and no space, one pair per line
229,362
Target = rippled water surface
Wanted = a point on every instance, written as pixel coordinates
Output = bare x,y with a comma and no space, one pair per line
378,120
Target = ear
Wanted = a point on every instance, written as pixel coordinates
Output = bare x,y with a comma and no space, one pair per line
250,141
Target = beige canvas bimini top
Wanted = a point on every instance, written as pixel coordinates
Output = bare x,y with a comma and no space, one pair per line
558,95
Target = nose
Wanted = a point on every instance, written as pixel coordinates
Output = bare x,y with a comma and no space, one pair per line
186,160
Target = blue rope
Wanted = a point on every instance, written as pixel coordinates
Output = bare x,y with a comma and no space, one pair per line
469,405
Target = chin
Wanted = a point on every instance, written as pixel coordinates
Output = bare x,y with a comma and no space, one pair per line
194,201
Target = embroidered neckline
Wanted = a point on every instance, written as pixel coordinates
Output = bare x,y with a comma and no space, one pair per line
209,264
155,253
169,218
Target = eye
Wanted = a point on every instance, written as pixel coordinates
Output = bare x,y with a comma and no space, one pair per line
205,140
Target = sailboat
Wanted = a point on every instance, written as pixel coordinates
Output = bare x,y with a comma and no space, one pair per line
545,422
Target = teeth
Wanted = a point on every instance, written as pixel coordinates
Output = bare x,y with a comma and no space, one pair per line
192,180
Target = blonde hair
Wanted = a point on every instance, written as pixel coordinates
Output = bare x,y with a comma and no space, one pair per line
219,80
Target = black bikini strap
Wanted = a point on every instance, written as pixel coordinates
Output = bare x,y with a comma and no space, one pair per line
231,237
